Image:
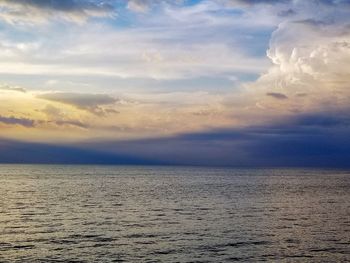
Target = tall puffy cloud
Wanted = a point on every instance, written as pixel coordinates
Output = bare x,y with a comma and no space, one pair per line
311,60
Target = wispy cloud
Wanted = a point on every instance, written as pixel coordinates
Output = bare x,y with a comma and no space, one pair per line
39,11
182,42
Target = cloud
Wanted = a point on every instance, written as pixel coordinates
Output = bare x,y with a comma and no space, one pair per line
287,13
89,102
311,62
17,121
145,5
181,42
12,151
139,5
10,88
255,2
72,123
324,120
30,123
290,2
41,11
58,117
172,52
313,140
277,95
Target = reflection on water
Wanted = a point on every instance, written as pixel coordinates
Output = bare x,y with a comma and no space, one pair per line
158,214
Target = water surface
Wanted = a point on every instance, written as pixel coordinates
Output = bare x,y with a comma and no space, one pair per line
167,214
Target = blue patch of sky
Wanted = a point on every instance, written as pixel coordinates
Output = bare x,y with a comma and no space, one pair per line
123,18
192,2
257,42
207,83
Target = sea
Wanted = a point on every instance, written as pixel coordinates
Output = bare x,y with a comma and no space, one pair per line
71,213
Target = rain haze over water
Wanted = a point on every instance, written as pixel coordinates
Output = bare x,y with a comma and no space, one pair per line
173,214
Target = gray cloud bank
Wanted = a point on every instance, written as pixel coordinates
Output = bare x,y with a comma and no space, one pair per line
313,140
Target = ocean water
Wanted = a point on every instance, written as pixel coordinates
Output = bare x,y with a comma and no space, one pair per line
173,214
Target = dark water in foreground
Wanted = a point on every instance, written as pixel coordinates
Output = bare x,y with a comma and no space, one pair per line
154,214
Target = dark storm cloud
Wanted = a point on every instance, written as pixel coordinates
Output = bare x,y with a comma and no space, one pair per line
324,120
313,140
21,152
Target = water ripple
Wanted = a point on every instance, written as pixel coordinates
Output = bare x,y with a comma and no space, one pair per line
163,214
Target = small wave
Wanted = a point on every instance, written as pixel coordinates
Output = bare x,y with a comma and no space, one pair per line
246,243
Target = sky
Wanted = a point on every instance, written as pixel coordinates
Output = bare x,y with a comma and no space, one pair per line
182,82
